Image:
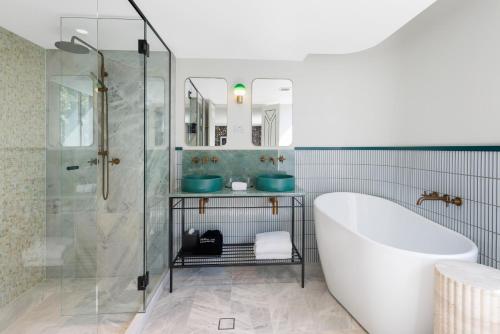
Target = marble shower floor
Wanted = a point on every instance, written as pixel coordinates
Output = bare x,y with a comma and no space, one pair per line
262,300
38,311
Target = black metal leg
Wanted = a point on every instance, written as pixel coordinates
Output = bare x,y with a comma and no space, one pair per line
171,279
183,220
303,239
293,225
170,241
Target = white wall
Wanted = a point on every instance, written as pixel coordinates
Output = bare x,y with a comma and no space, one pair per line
435,82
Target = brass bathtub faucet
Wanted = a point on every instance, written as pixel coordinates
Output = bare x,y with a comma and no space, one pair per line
435,196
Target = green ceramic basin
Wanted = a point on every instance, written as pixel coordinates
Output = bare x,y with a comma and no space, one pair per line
275,182
202,183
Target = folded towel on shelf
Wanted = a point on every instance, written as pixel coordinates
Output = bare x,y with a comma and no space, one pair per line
272,236
273,256
239,186
273,245
270,247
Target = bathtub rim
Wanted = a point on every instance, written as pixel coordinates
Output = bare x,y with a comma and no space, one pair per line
473,251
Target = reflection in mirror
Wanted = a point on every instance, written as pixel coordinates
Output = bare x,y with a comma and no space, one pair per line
272,112
76,105
205,101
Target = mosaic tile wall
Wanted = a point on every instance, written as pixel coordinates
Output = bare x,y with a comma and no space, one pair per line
402,175
22,166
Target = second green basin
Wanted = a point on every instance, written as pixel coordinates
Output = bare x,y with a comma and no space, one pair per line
275,182
202,183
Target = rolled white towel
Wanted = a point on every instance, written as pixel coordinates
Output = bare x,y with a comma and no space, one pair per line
239,186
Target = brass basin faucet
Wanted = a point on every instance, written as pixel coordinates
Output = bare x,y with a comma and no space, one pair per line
435,196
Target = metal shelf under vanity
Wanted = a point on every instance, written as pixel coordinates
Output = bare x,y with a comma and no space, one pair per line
239,215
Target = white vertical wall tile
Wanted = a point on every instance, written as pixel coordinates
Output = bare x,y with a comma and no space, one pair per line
402,175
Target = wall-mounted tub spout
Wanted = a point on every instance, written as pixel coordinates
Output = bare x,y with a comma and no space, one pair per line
435,196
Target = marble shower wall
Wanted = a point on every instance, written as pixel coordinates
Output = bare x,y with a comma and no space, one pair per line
157,166
22,165
102,240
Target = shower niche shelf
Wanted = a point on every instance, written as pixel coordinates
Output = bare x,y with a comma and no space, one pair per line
239,215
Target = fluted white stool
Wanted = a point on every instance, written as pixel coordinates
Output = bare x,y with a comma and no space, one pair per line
466,298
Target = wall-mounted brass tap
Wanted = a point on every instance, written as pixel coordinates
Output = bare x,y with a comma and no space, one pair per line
281,158
273,160
275,204
435,196
214,159
195,160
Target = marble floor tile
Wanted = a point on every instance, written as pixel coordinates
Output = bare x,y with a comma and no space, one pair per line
57,312
263,300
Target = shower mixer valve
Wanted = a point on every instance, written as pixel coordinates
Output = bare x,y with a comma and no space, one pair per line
114,161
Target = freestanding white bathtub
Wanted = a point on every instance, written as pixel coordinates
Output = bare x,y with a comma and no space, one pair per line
378,259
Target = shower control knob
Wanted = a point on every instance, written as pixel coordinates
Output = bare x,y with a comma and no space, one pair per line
114,161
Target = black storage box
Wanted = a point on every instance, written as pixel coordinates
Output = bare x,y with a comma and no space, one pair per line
190,242
210,243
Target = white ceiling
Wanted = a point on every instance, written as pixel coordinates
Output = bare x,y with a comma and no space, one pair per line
253,29
276,29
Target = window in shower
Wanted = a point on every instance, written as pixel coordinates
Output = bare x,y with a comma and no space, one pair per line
76,111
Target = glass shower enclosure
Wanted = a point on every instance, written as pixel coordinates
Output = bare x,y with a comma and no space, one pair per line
108,150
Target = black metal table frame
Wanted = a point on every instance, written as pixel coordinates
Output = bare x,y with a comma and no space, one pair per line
175,201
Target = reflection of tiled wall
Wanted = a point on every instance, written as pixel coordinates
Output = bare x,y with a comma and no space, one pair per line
220,131
402,175
257,135
22,165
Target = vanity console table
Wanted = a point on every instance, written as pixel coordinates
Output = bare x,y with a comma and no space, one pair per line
239,215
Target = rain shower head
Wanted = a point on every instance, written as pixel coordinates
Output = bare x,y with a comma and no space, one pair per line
72,47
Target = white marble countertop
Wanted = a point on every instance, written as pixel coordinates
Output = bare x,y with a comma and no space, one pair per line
252,192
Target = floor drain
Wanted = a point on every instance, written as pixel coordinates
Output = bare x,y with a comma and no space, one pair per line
226,324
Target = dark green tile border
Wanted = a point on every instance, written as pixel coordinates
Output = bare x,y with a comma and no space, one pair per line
395,148
403,148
